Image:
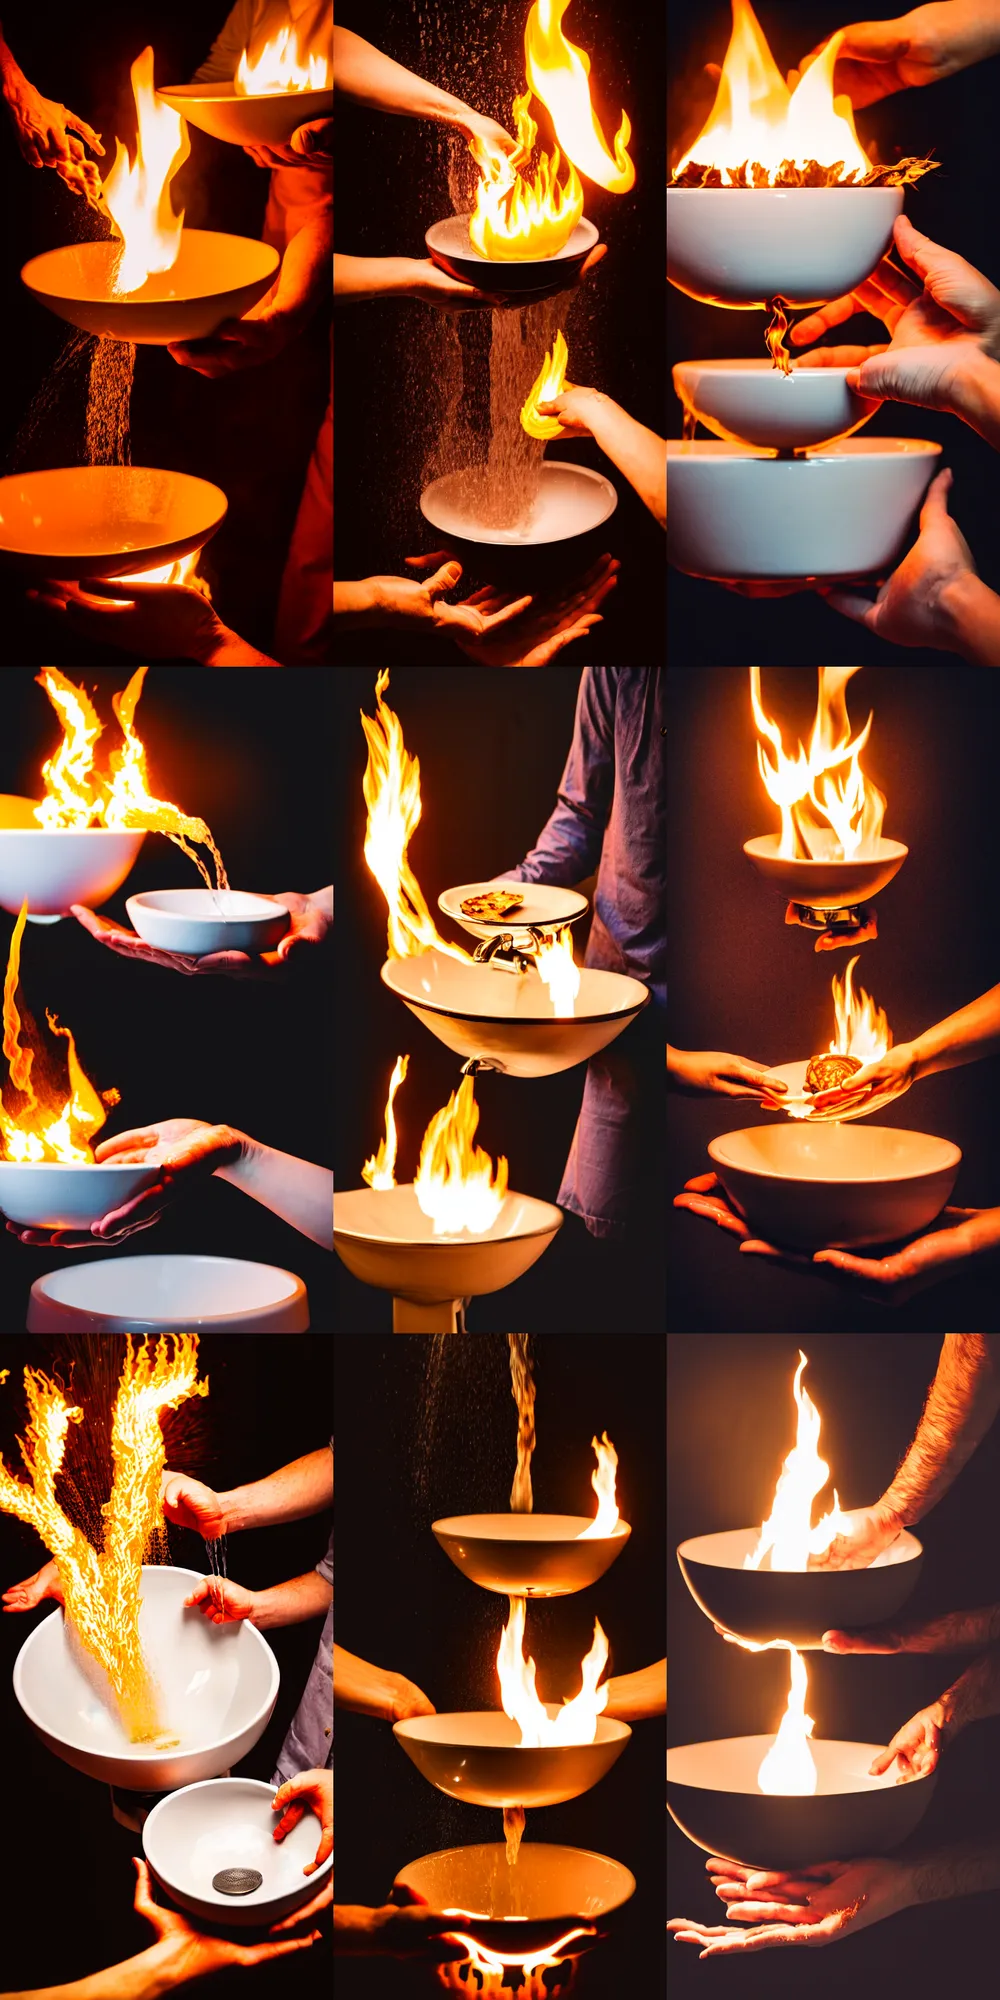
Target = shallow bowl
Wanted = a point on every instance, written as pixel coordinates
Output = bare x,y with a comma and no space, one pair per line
565,531
196,1833
384,1238
797,1605
52,870
217,1686
480,1758
752,402
551,1891
747,246
825,885
196,921
713,1796
545,906
165,1293
104,520
811,1187
215,277
529,1555
794,1075
49,1195
449,246
267,120
506,1019
832,515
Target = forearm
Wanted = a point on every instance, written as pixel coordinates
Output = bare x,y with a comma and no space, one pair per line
145,1977
976,397
308,1596
633,1697
358,278
975,1695
372,78
969,620
291,1494
966,1036
298,1191
961,1405
967,1869
220,646
304,278
636,451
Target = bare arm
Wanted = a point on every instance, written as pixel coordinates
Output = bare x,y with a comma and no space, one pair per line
291,1494
291,1603
371,78
297,1190
966,1036
961,1405
637,452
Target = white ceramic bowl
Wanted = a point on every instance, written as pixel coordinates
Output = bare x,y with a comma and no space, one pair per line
450,247
713,1795
529,1555
746,246
197,921
507,1019
544,905
53,870
814,1187
267,120
386,1240
104,520
221,1823
752,402
844,512
165,1293
215,277
825,885
551,1891
480,1758
572,501
50,1195
217,1684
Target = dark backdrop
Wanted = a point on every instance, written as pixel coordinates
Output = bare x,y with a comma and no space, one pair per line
491,749
392,184
744,982
250,433
247,753
269,1402
731,1422
428,1429
955,206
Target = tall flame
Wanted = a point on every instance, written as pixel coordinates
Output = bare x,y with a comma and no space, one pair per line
606,1519
789,1768
102,1589
557,72
829,809
576,1721
787,1534
47,1125
391,787
380,1170
758,122
138,192
862,1028
279,66
559,971
549,382
455,1183
517,217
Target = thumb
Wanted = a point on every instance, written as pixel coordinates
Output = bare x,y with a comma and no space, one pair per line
934,512
444,579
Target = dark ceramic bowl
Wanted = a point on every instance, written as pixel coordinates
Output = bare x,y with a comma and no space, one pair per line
712,1794
535,277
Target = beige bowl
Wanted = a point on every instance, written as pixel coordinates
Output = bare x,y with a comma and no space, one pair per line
386,1240
825,885
216,277
752,402
551,1891
746,246
104,520
247,121
507,1020
480,1758
713,1795
529,1555
813,1187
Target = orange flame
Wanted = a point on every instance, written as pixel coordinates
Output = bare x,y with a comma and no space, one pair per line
380,1170
560,973
391,787
576,1721
550,381
606,1519
787,1535
50,1126
557,72
184,570
455,1183
137,193
757,120
515,217
279,66
862,1028
829,810
102,1589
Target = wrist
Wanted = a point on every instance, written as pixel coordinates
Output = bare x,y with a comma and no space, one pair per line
222,647
892,1512
967,619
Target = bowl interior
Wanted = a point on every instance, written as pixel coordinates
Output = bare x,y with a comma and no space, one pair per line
222,1823
209,263
105,510
571,500
393,1216
479,992
730,1548
528,1528
803,1152
730,1765
451,238
549,1883
142,1287
216,905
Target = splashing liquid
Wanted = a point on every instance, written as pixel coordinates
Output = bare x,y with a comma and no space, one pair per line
522,1388
690,425
109,403
513,1828
216,1553
777,328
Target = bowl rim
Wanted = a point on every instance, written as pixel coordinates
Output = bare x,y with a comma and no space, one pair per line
548,1846
838,187
449,1242
449,1526
520,1020
839,1180
78,1167
570,465
914,1550
473,256
224,92
719,451
765,1737
410,1729
764,847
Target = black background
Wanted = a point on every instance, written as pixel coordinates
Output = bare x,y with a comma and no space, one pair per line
491,751
252,432
744,982
428,1429
392,184
731,1422
261,1413
955,206
248,753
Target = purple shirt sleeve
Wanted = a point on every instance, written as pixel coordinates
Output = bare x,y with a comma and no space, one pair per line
568,848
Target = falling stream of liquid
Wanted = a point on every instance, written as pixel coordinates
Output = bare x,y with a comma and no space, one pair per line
690,425
109,400
522,1388
216,1553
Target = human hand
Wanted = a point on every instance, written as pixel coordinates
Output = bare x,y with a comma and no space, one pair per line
423,279
238,343
814,1907
955,1632
160,620
895,1071
576,408
869,1531
917,1746
311,921
704,1195
636,1697
375,1691
530,631
308,1791
34,1589
309,145
402,601
958,1235
407,1930
222,1602
186,1149
195,1953
493,138
705,1071
187,1503
916,605
49,135
877,58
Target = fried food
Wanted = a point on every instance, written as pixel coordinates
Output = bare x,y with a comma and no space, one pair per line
492,906
829,1071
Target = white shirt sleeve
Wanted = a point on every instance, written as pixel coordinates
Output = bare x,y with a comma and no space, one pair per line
220,65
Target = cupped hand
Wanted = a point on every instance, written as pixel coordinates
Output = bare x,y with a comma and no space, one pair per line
492,136
427,282
310,145
912,607
916,1747
878,58
188,1503
815,1907
311,921
222,1602
50,135
308,1791
705,1195
958,1235
162,620
237,343
196,1953
869,1531
575,408
704,1071
529,632
895,1071
34,1589
402,601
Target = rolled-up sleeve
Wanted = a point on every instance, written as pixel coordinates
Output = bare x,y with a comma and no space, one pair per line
568,848
220,64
